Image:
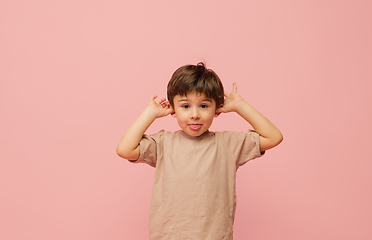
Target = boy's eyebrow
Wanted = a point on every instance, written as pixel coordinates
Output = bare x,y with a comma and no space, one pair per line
204,100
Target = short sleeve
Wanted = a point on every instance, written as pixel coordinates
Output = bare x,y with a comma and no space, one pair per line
244,146
150,148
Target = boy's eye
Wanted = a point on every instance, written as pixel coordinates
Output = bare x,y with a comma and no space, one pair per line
204,106
185,106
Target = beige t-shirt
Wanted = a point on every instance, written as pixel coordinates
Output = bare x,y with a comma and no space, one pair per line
193,195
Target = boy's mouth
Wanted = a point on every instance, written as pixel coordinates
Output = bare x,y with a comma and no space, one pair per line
195,127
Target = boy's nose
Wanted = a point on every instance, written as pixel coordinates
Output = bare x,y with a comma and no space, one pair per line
195,114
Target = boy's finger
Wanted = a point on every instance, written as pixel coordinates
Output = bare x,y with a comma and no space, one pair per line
219,110
234,87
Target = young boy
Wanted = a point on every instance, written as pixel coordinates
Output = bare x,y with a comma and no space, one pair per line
193,193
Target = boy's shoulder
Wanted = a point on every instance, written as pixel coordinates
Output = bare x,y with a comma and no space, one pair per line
235,136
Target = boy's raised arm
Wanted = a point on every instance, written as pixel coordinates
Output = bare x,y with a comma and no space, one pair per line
270,136
128,146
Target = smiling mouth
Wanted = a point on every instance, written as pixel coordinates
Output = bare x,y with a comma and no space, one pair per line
195,127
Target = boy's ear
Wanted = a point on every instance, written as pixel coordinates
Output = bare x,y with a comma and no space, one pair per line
173,114
217,113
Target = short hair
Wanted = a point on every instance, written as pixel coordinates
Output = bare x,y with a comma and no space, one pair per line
195,78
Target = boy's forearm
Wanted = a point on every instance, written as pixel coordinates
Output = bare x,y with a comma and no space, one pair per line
271,135
129,144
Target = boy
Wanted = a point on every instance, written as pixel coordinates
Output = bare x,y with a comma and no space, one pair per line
193,194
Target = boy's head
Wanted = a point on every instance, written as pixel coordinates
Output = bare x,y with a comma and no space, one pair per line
195,93
195,79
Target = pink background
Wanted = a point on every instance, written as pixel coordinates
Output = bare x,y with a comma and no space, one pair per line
74,74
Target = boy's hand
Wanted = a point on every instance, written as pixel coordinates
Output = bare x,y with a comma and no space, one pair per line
159,108
231,102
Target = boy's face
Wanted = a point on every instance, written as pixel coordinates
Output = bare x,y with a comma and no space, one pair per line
194,113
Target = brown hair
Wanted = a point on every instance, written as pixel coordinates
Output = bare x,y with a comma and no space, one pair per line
195,78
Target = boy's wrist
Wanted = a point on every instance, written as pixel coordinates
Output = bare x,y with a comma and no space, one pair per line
150,113
239,107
